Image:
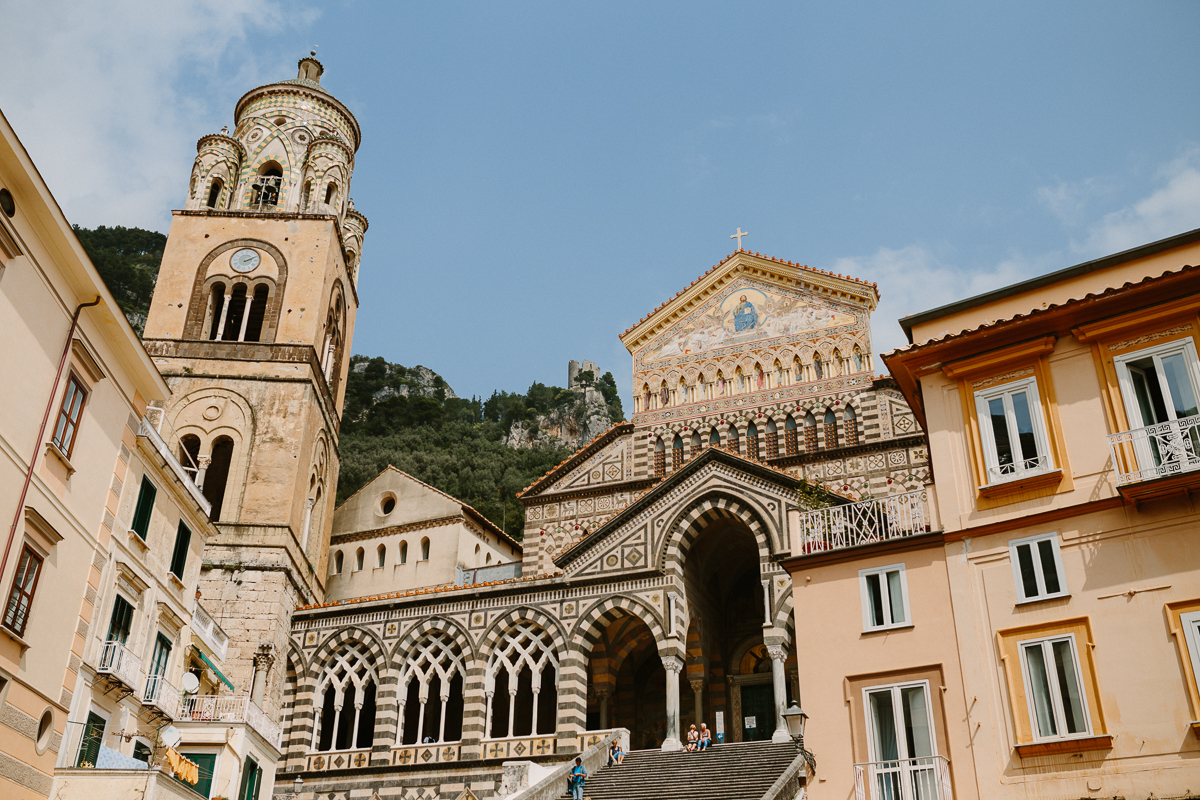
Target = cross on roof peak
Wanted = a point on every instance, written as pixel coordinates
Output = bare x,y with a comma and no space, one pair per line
740,233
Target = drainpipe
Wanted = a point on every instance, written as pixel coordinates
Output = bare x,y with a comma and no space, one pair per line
62,362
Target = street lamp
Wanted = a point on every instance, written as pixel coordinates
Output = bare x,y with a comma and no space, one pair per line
796,720
297,788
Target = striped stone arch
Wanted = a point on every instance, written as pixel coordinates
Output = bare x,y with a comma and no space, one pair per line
712,506
298,730
375,647
409,640
522,614
782,618
587,631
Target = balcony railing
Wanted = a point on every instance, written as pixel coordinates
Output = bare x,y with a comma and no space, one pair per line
896,516
162,695
209,632
118,661
1156,451
925,778
228,708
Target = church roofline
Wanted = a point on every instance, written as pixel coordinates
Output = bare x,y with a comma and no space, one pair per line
578,457
635,332
714,453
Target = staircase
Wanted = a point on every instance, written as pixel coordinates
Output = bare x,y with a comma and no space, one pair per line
743,771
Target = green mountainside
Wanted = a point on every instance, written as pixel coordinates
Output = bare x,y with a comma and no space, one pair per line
128,260
404,416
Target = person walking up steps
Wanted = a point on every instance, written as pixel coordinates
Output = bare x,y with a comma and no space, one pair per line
576,778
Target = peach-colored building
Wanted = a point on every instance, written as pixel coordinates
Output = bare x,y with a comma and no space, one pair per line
1032,627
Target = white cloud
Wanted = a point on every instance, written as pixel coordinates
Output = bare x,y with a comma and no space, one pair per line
93,90
1069,200
1172,209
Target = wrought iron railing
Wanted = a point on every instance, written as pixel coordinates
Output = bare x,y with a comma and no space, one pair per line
895,516
228,708
161,694
117,660
925,778
1009,471
1156,451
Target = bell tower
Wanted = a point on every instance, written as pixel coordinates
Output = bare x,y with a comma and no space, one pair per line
251,324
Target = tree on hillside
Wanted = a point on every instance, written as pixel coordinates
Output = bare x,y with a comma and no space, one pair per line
128,260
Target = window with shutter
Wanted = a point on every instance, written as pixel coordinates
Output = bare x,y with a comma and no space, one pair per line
20,597
183,538
144,509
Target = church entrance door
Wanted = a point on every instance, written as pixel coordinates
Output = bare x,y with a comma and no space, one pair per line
758,712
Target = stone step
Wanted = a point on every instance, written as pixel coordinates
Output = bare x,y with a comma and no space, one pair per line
743,771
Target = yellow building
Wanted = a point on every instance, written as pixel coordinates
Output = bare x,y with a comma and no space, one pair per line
77,388
1032,627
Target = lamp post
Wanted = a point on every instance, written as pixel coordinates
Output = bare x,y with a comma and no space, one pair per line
796,720
297,788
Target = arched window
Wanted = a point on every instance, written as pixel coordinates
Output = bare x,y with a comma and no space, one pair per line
265,190
404,552
489,559
521,683
677,452
337,563
696,443
217,309
772,439
305,196
330,193
189,457
256,313
235,314
660,458
425,549
332,352
735,443
217,475
810,433
431,691
346,701
359,556
214,193
831,440
382,555
850,423
790,445
714,437
752,441
477,555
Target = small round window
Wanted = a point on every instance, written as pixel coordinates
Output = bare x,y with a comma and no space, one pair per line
45,731
388,505
7,204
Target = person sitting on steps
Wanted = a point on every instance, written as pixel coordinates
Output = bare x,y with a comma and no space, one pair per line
693,740
705,737
576,778
615,754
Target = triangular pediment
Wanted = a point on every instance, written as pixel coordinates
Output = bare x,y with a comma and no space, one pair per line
746,302
607,459
633,540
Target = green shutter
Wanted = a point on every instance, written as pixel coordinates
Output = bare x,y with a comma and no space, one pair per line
122,620
179,560
251,780
207,763
93,735
145,507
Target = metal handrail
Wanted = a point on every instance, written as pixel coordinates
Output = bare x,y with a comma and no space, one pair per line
118,660
1156,451
924,778
882,519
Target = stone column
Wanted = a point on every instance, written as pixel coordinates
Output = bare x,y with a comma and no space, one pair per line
202,463
698,699
602,697
673,665
778,655
263,659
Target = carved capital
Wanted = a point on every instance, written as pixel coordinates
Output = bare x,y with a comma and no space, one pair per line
672,664
777,652
264,657
203,461
697,685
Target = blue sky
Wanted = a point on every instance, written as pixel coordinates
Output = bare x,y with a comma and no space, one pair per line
538,176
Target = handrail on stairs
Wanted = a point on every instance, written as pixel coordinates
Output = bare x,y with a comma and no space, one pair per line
551,787
787,785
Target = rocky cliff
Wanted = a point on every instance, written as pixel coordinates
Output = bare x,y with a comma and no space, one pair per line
566,426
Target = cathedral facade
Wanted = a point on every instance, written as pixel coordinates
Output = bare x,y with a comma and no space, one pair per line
408,647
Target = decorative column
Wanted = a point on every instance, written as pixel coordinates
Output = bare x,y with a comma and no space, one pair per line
698,699
202,463
602,696
778,655
308,507
264,657
673,665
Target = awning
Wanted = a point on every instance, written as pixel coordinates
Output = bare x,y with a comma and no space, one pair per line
213,667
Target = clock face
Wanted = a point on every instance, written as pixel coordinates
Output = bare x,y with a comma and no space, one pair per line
244,260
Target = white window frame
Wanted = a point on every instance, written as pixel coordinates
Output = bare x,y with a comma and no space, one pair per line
987,437
895,689
1191,637
1056,699
1186,347
1033,541
868,626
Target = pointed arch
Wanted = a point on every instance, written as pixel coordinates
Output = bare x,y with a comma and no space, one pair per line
709,507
